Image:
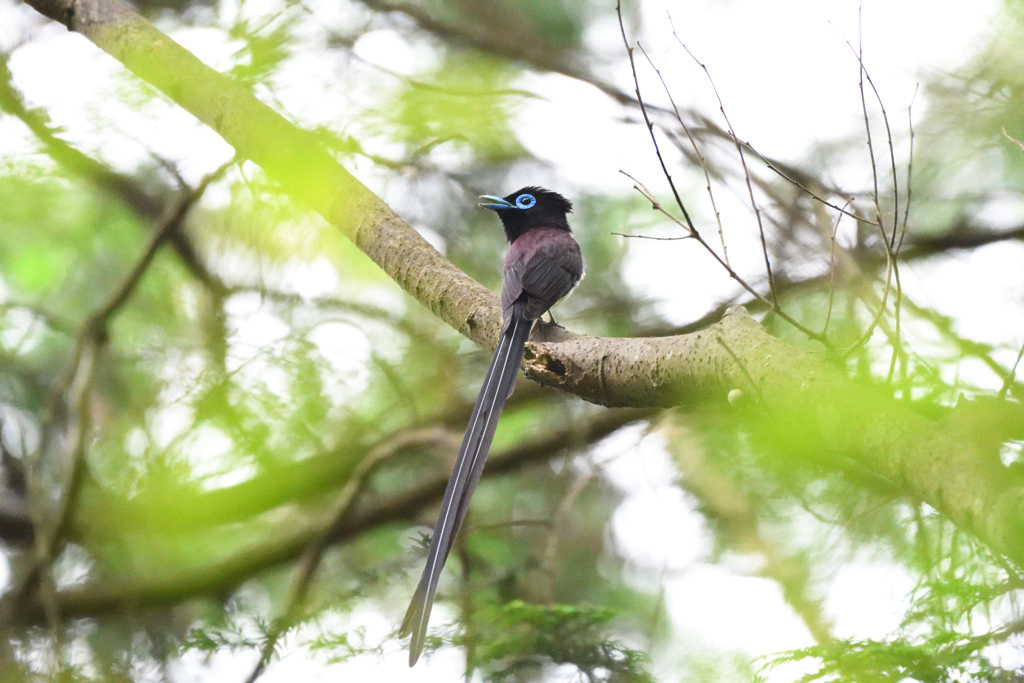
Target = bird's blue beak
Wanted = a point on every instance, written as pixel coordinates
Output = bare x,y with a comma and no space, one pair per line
489,201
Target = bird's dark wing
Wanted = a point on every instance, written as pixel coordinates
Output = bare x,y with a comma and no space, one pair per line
545,265
511,285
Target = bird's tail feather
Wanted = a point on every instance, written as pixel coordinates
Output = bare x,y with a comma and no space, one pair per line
469,465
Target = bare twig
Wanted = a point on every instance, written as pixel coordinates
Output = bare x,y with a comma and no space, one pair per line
897,306
881,307
549,61
647,120
891,244
773,306
858,52
832,271
696,150
888,241
898,303
651,237
910,168
1011,138
772,166
743,162
1013,373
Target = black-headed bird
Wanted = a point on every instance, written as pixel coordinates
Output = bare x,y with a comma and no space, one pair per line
542,266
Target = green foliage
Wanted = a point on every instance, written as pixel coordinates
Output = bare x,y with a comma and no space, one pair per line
267,43
461,101
942,658
231,637
942,638
517,639
341,647
545,26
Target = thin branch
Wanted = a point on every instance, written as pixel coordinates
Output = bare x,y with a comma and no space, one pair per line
651,237
863,339
1013,373
743,162
772,166
891,241
891,265
897,306
910,167
859,54
647,121
887,241
898,303
832,271
773,306
696,150
550,61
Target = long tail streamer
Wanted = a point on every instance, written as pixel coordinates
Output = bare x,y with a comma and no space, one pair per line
501,377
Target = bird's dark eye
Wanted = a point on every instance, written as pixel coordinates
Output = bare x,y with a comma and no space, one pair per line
525,201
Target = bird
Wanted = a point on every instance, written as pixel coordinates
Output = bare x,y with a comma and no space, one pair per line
543,265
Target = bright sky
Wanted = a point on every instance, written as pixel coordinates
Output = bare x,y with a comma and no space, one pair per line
788,80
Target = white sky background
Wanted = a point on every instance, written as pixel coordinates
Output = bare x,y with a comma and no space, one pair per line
788,81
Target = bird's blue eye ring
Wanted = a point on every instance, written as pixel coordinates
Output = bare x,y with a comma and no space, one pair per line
525,201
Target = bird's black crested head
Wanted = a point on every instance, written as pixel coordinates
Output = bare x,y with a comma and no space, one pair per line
528,209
